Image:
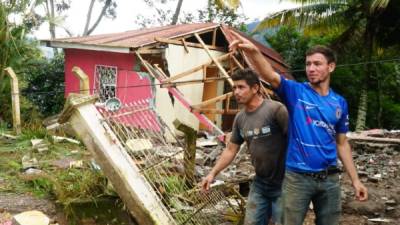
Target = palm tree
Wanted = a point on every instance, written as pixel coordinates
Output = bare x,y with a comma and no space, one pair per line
356,21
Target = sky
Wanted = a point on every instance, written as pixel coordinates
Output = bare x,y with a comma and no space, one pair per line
127,10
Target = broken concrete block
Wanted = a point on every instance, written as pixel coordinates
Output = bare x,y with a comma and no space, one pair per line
58,139
31,218
380,220
32,171
391,202
76,164
36,142
8,136
28,162
39,145
202,142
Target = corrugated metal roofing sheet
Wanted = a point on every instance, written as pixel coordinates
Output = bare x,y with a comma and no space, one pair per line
138,38
142,37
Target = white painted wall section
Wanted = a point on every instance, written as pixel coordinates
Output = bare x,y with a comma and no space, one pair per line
179,61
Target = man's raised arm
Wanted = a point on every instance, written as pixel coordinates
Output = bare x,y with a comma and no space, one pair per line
255,57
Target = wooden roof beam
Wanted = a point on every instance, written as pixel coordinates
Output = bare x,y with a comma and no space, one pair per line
206,48
188,44
213,100
194,69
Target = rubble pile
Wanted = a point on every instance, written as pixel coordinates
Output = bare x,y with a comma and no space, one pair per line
239,171
377,156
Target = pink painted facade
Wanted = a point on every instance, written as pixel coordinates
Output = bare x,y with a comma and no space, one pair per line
131,86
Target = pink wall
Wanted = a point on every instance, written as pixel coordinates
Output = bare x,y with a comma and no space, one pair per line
87,60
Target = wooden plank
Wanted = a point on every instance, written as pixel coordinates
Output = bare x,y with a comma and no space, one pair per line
217,111
237,62
137,194
224,73
84,87
213,100
228,103
358,137
188,82
189,44
16,114
150,51
194,69
185,45
214,40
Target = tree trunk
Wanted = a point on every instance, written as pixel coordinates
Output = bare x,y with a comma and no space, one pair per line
379,97
51,17
363,104
177,12
88,16
103,11
52,26
362,109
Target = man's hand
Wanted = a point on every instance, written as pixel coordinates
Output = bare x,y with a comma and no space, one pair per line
361,191
255,59
207,181
241,43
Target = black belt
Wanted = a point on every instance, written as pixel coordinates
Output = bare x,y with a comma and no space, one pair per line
322,175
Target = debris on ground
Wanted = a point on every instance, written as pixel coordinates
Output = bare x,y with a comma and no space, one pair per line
29,162
8,136
58,139
30,218
39,145
378,165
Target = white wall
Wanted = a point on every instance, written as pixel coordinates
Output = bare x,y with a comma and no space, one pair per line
178,62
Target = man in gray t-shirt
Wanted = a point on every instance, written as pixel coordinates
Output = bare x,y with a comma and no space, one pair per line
262,124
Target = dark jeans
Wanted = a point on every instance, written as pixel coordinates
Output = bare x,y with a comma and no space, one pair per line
299,190
263,203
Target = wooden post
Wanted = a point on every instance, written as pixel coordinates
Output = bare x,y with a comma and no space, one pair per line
15,101
84,87
184,45
189,157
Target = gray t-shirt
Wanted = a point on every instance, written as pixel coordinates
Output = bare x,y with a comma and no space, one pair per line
264,131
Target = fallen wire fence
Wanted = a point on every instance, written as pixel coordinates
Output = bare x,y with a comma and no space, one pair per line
143,135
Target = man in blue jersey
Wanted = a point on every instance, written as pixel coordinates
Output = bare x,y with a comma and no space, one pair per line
318,122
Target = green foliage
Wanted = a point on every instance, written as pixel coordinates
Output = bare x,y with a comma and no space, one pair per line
46,85
16,52
213,13
174,184
347,79
66,185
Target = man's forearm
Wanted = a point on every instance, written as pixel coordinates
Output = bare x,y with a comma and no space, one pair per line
226,158
261,65
346,157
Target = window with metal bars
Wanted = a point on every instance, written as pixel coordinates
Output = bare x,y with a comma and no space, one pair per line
105,82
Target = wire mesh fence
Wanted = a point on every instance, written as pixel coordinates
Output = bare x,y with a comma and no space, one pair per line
143,136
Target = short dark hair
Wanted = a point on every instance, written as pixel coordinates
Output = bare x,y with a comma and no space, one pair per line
247,75
329,54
